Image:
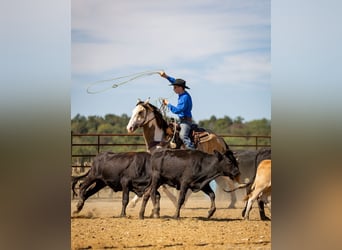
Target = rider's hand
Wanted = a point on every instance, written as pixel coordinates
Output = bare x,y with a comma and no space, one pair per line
165,101
162,74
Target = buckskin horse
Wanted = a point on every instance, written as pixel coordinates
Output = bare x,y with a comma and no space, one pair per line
158,133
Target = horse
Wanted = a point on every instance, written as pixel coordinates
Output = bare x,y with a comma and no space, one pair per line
158,133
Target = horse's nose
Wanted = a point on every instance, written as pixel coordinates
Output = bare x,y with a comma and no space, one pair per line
130,129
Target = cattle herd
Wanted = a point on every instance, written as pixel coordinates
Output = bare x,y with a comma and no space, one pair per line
144,173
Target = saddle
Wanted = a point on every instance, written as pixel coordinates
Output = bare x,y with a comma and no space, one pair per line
197,134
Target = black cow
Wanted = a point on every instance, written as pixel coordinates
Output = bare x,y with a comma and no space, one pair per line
124,172
187,169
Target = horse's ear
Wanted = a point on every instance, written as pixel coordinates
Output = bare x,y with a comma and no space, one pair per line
147,100
138,100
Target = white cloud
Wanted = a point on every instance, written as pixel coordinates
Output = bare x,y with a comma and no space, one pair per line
224,43
155,33
245,68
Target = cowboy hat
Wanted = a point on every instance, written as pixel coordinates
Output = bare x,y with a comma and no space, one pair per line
180,82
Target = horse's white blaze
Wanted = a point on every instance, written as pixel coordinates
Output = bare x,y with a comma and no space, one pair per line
138,115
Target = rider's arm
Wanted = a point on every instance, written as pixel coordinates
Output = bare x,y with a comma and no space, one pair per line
169,78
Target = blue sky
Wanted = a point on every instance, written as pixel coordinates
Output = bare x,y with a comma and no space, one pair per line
221,48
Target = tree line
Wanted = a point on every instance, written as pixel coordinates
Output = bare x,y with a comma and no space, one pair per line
114,124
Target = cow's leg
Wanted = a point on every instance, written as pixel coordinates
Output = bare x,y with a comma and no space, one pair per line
188,193
248,208
181,199
262,210
85,192
155,197
134,201
244,210
252,197
125,200
146,196
222,182
232,195
207,189
156,205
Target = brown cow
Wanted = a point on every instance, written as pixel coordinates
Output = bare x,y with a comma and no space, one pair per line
260,190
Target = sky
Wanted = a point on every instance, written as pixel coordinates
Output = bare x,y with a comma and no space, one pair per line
221,48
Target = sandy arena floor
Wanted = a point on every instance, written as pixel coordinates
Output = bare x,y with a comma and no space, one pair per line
98,226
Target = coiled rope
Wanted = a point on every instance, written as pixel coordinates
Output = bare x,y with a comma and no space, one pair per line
118,81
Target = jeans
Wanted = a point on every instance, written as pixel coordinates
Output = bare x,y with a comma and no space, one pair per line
184,134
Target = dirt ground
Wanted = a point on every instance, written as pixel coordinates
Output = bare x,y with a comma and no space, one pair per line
98,226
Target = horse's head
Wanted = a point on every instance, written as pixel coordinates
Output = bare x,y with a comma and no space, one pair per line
141,115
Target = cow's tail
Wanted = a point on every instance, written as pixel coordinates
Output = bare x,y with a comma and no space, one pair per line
249,193
243,185
75,180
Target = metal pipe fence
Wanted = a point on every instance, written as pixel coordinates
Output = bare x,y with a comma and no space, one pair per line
89,145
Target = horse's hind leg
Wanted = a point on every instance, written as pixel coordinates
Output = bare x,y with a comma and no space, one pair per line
86,190
172,198
207,189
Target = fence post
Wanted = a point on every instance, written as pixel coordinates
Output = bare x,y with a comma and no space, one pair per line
71,145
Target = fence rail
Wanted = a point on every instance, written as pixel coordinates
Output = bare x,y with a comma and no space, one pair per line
101,142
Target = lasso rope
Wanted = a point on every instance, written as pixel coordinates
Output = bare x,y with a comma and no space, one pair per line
118,81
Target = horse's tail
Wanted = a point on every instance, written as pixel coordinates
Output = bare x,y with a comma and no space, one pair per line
75,180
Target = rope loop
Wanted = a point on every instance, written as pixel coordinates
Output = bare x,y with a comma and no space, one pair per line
118,81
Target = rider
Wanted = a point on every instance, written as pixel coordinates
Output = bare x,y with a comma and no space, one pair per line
183,108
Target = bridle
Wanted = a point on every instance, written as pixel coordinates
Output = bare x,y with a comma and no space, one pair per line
148,121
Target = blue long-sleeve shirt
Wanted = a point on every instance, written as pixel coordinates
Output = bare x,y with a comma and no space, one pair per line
184,106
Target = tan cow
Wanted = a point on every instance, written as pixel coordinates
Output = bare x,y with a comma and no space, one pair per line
260,190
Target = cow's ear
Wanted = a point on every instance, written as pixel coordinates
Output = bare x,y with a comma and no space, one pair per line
218,155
